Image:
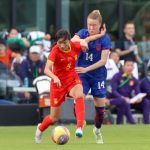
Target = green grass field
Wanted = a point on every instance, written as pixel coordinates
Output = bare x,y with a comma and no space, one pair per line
116,137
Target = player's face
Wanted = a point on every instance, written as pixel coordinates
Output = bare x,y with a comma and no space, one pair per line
128,67
63,44
129,30
93,26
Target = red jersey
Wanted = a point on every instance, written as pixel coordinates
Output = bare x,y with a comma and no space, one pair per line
64,62
64,68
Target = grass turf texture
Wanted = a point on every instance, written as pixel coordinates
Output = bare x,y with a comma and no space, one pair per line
116,137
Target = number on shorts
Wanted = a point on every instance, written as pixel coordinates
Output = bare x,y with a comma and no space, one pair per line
101,85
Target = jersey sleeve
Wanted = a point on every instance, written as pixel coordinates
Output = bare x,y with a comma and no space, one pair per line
76,46
106,42
52,55
83,33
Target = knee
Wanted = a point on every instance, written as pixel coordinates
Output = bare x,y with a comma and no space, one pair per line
79,95
54,118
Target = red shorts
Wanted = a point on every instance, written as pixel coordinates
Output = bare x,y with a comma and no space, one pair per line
57,94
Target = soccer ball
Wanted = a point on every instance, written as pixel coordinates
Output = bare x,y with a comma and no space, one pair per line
60,135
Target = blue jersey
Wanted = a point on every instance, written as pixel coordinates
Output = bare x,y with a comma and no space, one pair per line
93,54
95,79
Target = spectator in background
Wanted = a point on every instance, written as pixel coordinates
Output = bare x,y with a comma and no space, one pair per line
112,65
5,55
123,85
126,46
119,63
17,58
32,67
112,68
44,43
145,84
116,58
45,40
14,36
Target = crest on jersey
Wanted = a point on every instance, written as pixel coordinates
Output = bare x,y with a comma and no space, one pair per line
131,83
98,47
55,100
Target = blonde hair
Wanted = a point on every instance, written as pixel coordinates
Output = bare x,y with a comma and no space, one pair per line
96,15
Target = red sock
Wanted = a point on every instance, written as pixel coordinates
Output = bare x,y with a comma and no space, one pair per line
45,123
80,112
74,111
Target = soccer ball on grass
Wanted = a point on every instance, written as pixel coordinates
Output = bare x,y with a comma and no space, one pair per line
60,135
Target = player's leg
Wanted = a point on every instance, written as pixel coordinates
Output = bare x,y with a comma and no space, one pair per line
99,118
86,87
47,121
98,90
55,101
77,93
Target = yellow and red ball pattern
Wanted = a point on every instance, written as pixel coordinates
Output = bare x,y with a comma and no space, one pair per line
60,135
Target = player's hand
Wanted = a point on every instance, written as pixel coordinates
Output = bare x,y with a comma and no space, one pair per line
57,81
81,70
103,30
84,45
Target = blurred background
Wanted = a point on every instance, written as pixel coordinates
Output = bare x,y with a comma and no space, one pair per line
50,15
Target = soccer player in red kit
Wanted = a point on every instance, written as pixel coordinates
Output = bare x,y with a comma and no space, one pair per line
60,67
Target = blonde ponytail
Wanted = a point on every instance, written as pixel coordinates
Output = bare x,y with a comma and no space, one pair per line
96,15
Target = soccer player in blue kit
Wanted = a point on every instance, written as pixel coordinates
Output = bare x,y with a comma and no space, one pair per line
91,67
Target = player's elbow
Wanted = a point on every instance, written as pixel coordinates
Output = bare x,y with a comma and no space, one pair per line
76,38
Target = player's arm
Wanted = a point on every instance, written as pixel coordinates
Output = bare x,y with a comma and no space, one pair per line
84,45
100,63
76,38
49,73
97,36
